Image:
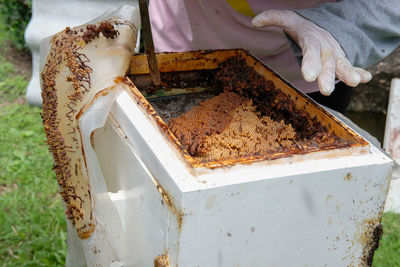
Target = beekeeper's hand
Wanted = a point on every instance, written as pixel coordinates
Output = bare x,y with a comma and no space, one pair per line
323,58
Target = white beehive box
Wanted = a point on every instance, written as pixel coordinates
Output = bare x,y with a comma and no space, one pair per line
321,208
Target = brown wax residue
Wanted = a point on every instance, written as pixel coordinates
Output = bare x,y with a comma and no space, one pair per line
236,76
60,106
227,126
93,31
247,134
66,83
209,117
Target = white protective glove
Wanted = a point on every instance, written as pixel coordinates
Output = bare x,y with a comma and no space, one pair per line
322,55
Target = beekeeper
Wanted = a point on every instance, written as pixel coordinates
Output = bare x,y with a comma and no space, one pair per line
333,40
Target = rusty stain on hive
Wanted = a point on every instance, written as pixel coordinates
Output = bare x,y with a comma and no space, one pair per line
162,260
370,235
168,200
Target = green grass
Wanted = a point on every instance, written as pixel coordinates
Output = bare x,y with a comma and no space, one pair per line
388,253
32,231
32,221
12,84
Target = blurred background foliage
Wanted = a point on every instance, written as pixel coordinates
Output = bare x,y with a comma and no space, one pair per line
16,15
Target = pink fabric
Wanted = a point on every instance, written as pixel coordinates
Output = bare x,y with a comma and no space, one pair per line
213,24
